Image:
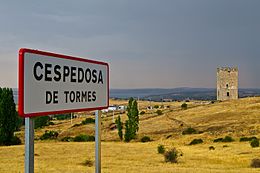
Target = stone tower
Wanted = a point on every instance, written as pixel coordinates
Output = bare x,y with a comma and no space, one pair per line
227,83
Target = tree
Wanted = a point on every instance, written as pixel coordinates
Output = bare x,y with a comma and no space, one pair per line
184,106
127,132
119,126
132,124
41,121
8,117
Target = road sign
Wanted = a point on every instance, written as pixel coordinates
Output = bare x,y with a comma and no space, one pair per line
51,83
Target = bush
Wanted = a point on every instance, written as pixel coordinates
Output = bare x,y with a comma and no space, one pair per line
42,121
171,155
228,139
184,106
88,163
142,112
245,139
145,139
51,123
255,163
189,131
91,138
49,135
88,121
218,140
80,138
196,141
67,139
211,148
77,125
62,116
254,143
156,106
84,138
161,149
15,141
159,112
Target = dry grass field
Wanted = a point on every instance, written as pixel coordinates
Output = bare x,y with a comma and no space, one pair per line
120,157
236,118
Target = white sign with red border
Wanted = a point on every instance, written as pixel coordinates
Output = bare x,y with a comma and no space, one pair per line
51,83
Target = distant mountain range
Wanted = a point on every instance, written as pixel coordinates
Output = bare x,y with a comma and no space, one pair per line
157,94
176,93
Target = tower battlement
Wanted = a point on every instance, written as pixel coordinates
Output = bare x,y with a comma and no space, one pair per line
228,69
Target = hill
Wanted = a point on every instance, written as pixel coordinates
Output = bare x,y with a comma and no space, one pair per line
235,118
184,93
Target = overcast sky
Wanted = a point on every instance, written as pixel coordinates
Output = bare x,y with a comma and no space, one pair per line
148,43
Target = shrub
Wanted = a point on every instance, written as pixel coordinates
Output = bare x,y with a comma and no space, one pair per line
142,112
88,163
62,116
184,106
49,135
80,138
67,139
161,149
42,121
171,155
254,143
88,121
145,139
225,146
211,148
218,140
156,106
189,131
228,139
255,163
159,112
244,139
51,123
77,125
196,141
15,140
91,138
84,138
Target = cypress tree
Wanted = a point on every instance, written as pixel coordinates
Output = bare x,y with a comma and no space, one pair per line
132,124
119,126
8,117
127,132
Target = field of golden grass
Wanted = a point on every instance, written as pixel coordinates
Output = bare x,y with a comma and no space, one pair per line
119,157
235,118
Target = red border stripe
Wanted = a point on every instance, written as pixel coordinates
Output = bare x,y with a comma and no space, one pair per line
22,51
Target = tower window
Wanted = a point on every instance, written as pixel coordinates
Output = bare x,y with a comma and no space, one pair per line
227,85
228,94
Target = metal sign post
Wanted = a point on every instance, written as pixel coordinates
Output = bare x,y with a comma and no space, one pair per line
98,141
29,145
